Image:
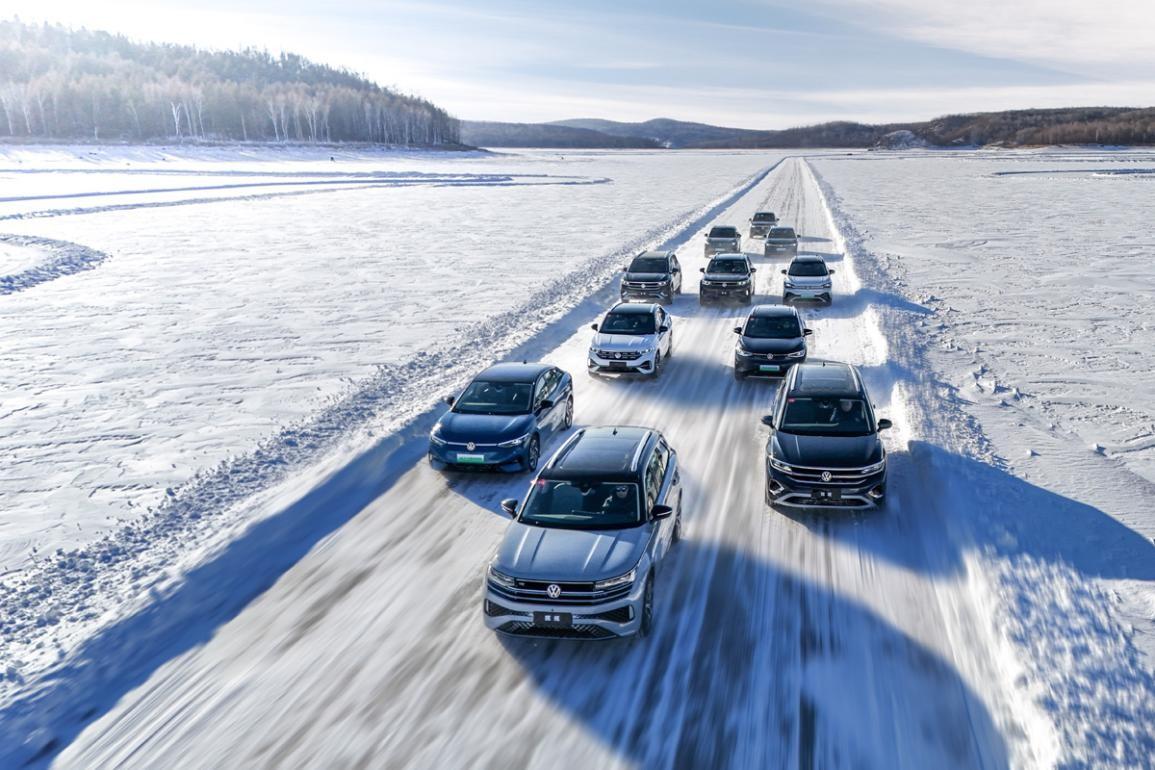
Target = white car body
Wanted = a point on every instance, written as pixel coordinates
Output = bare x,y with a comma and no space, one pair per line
632,353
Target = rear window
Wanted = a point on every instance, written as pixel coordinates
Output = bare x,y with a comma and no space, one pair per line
724,232
782,232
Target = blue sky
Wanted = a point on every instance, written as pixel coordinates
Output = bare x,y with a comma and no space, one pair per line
749,63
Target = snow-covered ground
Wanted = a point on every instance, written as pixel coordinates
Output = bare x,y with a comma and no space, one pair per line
991,617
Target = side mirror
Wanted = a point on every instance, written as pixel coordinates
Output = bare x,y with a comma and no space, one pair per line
701,269
509,505
768,420
625,270
594,327
663,328
830,271
807,332
783,272
753,270
737,329
546,404
659,512
676,270
885,424
450,400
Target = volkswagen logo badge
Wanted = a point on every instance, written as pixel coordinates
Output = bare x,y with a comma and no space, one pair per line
553,591
471,446
826,476
617,355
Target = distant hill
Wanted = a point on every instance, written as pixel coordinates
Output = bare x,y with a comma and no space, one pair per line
66,84
488,134
1014,128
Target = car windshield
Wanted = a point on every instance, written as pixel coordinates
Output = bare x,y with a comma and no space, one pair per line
628,323
808,269
764,217
826,417
782,232
724,232
773,327
582,505
482,397
729,266
648,265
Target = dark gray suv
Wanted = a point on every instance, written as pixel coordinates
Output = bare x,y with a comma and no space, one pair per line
653,275
578,560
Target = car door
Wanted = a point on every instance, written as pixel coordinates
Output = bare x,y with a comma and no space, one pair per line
664,337
542,414
557,394
661,474
675,273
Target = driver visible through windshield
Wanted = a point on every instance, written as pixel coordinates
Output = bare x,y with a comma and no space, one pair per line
495,398
628,323
582,505
826,417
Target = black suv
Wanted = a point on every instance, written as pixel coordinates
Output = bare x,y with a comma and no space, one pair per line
824,449
728,276
770,342
652,275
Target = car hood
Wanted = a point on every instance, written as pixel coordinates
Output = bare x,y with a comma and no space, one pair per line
762,345
826,451
543,553
647,276
722,238
623,341
807,280
781,240
733,277
483,428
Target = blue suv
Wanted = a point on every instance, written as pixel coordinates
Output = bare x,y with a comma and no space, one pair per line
502,418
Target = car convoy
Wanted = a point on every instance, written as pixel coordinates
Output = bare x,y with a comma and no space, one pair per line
579,556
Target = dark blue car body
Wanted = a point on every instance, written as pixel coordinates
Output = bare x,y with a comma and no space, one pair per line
505,441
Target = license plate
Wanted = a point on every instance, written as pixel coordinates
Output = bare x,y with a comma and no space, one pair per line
474,459
769,368
553,619
618,365
827,494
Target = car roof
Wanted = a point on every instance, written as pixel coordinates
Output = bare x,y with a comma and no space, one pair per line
826,378
730,255
723,227
782,227
656,254
809,258
513,372
633,307
772,310
610,453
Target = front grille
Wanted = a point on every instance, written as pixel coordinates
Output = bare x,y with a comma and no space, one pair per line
619,355
723,284
839,477
537,592
643,285
578,631
770,357
465,446
493,610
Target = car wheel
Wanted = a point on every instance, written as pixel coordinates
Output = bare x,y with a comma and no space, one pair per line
568,414
668,297
769,497
532,454
739,376
657,364
677,536
647,620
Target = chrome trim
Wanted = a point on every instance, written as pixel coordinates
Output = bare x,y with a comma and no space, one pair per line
638,452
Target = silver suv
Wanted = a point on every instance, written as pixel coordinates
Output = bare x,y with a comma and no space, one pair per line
579,558
633,338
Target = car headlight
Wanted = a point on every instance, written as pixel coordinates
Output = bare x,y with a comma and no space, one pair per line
742,352
501,579
744,282
790,285
779,465
797,354
826,285
874,468
515,441
614,582
436,439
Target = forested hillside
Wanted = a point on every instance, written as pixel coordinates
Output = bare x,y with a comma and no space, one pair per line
59,83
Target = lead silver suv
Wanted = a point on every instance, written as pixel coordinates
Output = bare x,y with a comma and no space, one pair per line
579,559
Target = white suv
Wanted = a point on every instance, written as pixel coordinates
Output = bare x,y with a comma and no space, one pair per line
632,338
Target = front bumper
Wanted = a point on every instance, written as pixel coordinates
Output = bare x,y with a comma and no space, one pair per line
608,620
481,457
707,293
648,292
789,491
600,364
764,365
823,294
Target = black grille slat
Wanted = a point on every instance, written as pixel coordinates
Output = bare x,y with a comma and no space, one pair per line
578,631
568,595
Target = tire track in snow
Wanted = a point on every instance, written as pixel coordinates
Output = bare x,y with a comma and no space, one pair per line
63,258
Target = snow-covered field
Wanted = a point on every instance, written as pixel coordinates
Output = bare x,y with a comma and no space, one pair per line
257,365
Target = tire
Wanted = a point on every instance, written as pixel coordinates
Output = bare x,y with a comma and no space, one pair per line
647,612
532,454
749,298
677,536
769,497
668,297
739,376
567,423
657,365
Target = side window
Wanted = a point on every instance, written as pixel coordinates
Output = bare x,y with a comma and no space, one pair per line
674,262
540,388
653,480
662,452
554,379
